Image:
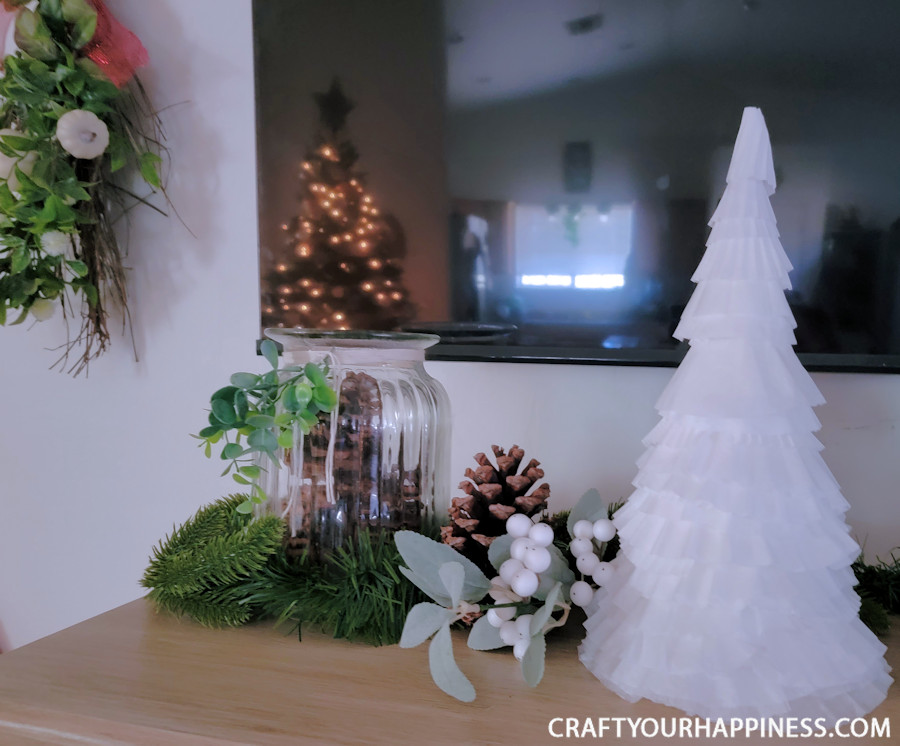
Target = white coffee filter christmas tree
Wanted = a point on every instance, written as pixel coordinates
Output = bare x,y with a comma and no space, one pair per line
732,593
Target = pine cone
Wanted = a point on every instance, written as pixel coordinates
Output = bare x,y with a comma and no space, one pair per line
493,494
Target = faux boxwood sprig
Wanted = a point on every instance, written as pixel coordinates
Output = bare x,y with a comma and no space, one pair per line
258,414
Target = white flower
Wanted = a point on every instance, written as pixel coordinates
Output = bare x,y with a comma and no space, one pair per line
55,243
42,309
82,134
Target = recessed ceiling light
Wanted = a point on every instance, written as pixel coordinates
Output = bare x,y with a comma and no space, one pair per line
585,24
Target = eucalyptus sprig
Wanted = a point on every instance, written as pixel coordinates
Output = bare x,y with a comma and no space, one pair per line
458,589
258,414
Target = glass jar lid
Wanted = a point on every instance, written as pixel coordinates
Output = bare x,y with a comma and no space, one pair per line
382,345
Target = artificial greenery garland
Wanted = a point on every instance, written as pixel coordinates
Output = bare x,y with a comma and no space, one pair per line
68,124
224,569
202,568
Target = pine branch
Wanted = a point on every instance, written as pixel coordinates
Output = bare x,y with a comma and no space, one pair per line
209,608
357,594
223,560
207,523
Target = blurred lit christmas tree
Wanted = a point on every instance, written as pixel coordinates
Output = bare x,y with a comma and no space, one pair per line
340,268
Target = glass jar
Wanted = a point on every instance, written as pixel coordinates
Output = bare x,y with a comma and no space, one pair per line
380,460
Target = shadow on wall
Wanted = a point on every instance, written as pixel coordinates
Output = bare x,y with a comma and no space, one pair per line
4,640
190,183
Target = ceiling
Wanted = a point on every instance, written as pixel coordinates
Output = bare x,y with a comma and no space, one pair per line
502,49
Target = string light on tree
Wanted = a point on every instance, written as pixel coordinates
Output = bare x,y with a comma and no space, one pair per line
339,243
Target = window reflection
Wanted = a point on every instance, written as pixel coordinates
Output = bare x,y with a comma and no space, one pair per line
653,93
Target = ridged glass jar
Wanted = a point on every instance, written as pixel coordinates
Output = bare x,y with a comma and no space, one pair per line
381,459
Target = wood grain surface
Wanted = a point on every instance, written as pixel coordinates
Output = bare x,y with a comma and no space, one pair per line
132,676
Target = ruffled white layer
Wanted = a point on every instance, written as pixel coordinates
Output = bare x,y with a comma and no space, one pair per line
727,299
666,526
760,258
744,199
738,471
739,378
752,156
742,229
762,642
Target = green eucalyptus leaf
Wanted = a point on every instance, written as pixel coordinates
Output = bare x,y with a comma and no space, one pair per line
260,420
52,9
79,269
314,374
542,615
325,398
444,671
425,556
286,438
453,576
33,37
498,551
250,471
245,507
149,167
75,10
269,351
533,661
232,451
90,292
20,259
484,635
304,394
284,419
433,589
226,393
589,508
224,411
263,439
239,479
83,31
18,143
309,418
422,621
241,406
21,318
289,400
206,432
558,572
245,380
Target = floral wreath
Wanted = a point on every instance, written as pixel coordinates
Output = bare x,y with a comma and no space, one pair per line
70,110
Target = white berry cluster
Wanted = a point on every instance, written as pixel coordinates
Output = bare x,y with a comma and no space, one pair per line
586,560
519,579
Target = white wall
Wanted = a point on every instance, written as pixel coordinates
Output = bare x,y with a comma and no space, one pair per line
585,424
95,471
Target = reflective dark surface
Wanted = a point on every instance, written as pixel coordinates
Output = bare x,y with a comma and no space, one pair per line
586,146
580,198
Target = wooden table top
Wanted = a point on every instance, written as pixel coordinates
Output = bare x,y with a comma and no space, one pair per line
132,676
